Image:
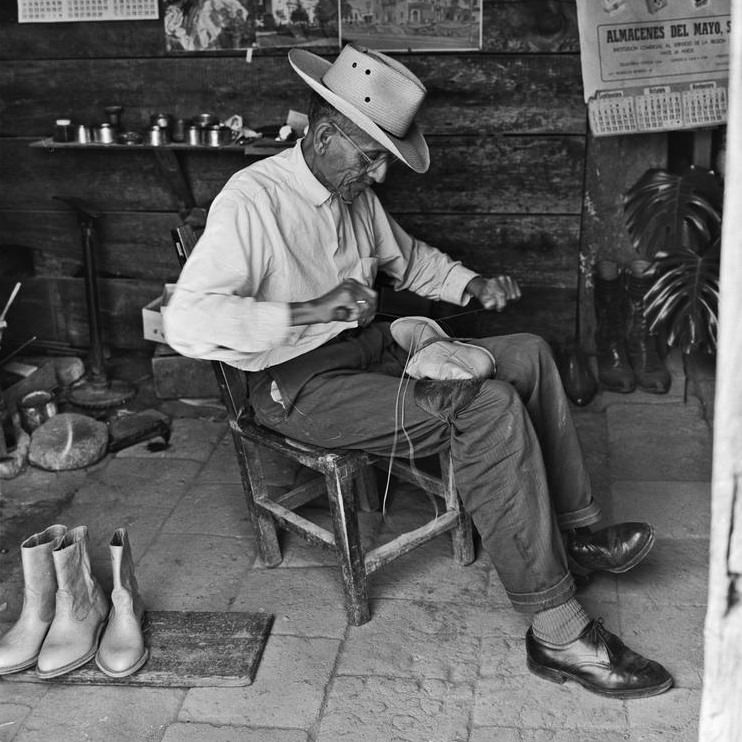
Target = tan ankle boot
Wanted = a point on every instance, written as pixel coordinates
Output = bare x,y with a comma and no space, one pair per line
19,647
81,609
122,651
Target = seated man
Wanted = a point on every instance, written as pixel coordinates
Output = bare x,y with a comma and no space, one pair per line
280,285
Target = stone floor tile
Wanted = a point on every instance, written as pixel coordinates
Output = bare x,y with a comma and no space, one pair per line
529,702
556,734
676,509
673,714
217,509
35,486
142,523
672,635
106,713
594,438
431,573
222,465
16,703
673,443
212,733
298,552
675,573
503,656
288,691
193,572
398,641
304,602
190,438
139,482
374,709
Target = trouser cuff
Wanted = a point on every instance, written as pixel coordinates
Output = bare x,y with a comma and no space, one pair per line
578,518
543,599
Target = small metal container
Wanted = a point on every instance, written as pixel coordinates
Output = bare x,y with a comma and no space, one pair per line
63,130
104,134
36,408
179,130
154,136
194,135
163,120
83,134
214,136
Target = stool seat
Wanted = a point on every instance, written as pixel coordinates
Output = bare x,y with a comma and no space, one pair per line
344,477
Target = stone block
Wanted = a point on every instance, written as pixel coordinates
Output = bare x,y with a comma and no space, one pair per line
176,376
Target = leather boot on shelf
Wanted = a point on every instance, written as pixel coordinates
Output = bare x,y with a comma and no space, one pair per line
81,609
649,369
614,368
122,651
19,647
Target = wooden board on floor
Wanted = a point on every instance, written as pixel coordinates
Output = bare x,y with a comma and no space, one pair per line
187,650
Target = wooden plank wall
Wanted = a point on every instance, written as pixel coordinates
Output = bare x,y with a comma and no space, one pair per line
506,128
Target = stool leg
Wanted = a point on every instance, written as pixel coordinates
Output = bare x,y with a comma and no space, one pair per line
253,483
462,539
368,490
348,545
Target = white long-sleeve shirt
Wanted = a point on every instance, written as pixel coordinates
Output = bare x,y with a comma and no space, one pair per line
276,235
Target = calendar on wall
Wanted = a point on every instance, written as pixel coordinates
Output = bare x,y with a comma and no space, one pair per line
56,11
654,65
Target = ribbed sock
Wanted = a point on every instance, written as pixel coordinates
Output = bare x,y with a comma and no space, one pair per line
562,624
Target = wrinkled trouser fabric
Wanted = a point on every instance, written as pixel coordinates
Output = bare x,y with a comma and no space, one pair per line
517,459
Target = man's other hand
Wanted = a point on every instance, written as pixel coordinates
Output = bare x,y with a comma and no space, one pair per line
494,293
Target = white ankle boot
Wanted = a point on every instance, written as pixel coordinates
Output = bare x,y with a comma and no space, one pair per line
122,651
80,612
19,647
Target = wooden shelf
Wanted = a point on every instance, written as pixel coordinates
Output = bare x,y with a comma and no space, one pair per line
262,149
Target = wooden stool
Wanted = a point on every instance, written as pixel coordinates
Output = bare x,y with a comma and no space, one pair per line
344,477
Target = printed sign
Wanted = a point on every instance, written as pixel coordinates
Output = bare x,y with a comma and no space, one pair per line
654,65
57,11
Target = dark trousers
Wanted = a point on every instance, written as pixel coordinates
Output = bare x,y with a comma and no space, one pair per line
517,460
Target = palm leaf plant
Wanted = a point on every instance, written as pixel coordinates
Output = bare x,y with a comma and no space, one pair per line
674,221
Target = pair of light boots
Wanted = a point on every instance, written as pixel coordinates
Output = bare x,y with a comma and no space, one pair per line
66,619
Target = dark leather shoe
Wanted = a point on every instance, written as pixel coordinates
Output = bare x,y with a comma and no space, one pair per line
614,549
600,662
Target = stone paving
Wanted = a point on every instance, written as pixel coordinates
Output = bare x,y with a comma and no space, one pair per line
442,659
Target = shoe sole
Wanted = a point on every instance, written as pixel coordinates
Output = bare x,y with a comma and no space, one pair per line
636,559
25,665
560,677
122,673
79,662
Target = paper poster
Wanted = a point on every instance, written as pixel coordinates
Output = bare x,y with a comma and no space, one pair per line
404,26
654,65
57,11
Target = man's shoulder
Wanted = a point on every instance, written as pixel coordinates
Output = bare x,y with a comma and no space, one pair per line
267,176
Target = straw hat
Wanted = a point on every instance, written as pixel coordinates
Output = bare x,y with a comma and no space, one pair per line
377,93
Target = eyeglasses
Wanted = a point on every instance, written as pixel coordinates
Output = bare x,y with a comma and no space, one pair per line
369,163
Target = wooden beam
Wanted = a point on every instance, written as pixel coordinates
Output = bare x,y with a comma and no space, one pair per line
721,711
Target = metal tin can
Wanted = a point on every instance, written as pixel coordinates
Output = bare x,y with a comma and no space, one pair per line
214,136
36,408
194,135
63,131
83,134
179,130
104,134
154,136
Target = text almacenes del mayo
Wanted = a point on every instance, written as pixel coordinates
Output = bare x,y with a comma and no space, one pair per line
676,30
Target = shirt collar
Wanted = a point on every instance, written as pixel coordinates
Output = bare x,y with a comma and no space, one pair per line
307,182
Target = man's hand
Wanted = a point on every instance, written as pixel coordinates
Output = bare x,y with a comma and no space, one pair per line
348,301
494,293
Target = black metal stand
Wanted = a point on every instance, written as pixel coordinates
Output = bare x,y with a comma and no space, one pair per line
96,390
